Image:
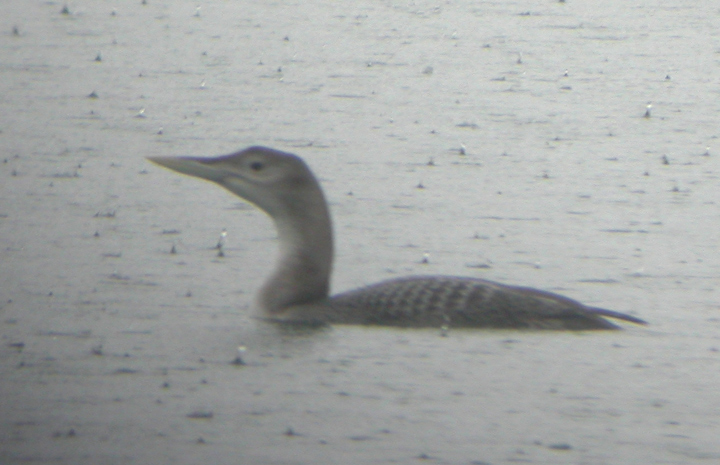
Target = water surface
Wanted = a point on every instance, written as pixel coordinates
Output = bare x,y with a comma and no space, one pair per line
523,123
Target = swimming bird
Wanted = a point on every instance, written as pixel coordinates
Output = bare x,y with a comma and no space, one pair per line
283,186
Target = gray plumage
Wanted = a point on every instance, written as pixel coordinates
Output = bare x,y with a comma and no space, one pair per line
282,185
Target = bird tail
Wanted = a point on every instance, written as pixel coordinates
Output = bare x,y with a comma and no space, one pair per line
617,315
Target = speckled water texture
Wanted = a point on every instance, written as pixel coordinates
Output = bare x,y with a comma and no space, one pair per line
499,140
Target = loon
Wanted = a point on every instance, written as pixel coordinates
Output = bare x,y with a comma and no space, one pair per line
283,186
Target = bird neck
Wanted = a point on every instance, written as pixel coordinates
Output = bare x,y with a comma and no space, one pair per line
302,274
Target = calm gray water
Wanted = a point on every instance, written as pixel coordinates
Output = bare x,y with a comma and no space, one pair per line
115,351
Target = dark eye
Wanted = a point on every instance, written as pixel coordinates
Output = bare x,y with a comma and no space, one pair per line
256,166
